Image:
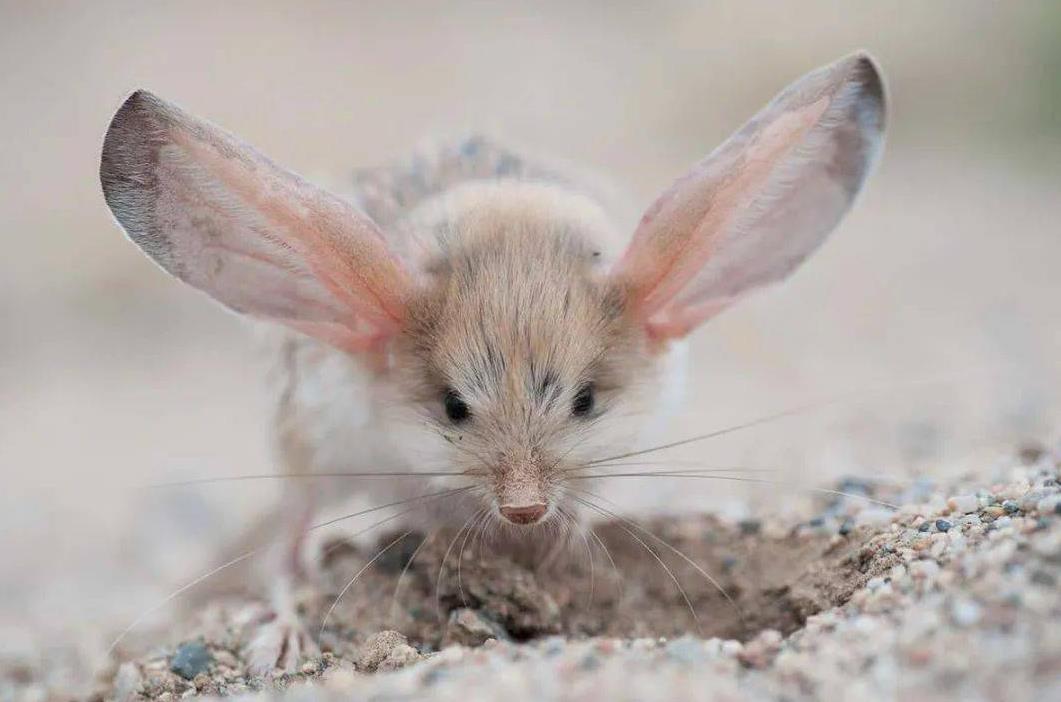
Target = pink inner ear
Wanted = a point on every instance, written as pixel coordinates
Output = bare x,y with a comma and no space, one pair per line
217,214
752,211
345,337
344,250
680,321
689,223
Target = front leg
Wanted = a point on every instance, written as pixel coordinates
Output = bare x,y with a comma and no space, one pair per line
278,638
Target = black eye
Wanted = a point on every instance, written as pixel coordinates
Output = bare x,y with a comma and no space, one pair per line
583,403
456,409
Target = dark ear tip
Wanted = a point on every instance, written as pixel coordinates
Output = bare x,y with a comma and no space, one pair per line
129,131
139,103
136,97
867,71
128,154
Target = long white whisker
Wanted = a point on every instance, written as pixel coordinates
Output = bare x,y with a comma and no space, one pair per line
248,554
589,552
707,576
846,397
670,573
405,569
460,554
442,566
738,479
700,466
306,476
709,435
608,554
349,584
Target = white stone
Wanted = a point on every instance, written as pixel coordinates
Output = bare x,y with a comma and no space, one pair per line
965,612
964,503
732,647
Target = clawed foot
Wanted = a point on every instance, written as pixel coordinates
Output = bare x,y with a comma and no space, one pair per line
278,641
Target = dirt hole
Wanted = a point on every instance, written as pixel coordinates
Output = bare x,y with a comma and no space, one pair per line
775,582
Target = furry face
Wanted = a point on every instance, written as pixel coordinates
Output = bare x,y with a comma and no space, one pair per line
518,350
465,311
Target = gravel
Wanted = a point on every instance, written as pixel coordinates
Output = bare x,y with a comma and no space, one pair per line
191,659
471,627
945,599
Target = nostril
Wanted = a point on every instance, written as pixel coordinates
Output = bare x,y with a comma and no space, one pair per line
523,514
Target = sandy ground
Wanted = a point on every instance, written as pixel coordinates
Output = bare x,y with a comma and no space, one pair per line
112,376
953,595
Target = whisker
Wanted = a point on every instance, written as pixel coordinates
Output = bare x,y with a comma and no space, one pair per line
738,479
460,554
670,573
477,540
248,554
709,435
349,584
307,476
442,566
707,576
563,455
700,465
467,450
405,569
842,398
589,552
620,580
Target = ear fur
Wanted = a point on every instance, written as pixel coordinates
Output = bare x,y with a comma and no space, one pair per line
220,216
748,214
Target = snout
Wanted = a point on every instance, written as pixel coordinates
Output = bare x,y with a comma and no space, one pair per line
524,514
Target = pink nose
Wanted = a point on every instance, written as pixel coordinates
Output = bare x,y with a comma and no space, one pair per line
523,514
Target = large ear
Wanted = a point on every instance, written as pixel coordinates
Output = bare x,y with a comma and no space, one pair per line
750,212
220,216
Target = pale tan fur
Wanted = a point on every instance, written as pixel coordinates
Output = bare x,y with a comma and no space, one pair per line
472,277
514,311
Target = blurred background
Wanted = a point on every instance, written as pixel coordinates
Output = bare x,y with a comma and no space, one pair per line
113,376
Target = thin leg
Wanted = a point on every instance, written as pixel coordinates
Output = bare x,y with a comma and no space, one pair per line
279,639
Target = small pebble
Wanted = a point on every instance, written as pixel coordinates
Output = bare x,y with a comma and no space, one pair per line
965,612
1030,500
470,627
553,646
749,527
731,647
126,682
964,504
589,662
992,513
191,659
399,657
924,569
1048,505
385,650
943,525
1042,577
686,649
846,527
1011,506
1003,522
